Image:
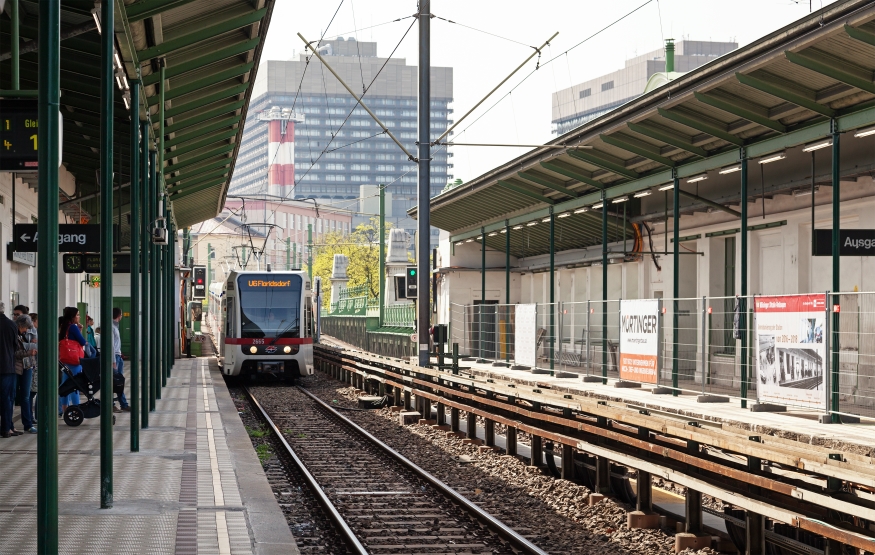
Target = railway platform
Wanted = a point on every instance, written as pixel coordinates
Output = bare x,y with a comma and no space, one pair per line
195,486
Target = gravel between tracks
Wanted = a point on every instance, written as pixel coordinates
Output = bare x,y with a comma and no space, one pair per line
552,513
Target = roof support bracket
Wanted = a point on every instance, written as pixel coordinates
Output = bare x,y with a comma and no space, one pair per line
548,182
783,93
819,66
525,192
628,146
711,203
568,170
737,109
700,125
653,132
596,160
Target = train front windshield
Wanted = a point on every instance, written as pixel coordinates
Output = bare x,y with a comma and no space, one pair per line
270,305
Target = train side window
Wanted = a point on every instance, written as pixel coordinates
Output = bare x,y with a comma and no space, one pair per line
229,318
308,317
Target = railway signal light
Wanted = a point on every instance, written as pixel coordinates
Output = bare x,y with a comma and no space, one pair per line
199,286
411,282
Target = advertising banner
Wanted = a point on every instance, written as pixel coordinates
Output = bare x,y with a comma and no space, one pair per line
790,350
639,340
525,340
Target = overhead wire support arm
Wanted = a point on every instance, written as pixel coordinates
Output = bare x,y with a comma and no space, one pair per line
357,98
537,51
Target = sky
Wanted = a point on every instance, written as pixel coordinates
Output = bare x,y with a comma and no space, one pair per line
480,60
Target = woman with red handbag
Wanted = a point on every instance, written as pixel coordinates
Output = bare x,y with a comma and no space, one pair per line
71,348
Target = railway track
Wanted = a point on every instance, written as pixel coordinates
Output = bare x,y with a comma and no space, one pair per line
379,501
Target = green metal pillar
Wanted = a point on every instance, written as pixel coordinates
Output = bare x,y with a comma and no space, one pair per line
135,265
507,284
743,290
295,263
49,102
16,41
552,288
382,269
604,288
172,330
210,266
107,83
836,284
154,390
310,251
482,294
288,253
676,219
145,241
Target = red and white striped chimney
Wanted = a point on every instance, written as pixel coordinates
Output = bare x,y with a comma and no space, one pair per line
281,156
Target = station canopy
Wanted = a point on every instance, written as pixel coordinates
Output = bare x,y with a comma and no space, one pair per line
781,91
211,50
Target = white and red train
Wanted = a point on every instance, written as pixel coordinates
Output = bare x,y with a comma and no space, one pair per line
263,323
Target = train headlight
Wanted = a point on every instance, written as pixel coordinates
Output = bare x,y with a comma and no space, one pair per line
253,349
287,350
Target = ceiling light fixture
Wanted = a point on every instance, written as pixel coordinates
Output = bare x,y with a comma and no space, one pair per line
730,169
581,210
96,16
865,132
504,230
530,224
518,227
811,147
668,187
618,200
470,241
546,220
564,215
697,178
805,192
644,193
598,205
772,158
493,234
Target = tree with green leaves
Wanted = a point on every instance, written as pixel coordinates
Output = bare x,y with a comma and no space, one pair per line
362,247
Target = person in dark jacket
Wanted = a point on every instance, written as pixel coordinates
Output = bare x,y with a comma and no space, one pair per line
8,346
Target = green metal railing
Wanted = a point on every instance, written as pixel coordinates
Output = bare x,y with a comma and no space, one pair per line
400,316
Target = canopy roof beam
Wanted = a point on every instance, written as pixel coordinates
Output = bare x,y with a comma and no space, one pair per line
227,122
547,181
637,147
559,166
202,34
778,90
741,108
524,191
710,203
699,124
193,146
198,189
668,137
197,171
204,116
600,160
198,179
202,84
199,158
821,65
199,103
203,61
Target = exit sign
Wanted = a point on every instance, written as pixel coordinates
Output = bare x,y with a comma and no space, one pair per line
19,135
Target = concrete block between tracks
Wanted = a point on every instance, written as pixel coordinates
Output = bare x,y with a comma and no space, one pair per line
427,422
472,441
594,498
442,427
406,417
642,520
690,541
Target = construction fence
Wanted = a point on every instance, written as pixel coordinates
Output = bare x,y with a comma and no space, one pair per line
814,351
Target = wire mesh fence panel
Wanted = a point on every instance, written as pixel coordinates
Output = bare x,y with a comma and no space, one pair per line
575,346
459,331
723,358
856,353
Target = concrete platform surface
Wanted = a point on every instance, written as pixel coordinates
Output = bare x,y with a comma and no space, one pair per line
196,485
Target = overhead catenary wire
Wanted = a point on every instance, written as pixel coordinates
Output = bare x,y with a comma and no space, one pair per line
484,32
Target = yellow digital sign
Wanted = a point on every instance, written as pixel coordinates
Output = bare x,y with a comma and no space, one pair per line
268,283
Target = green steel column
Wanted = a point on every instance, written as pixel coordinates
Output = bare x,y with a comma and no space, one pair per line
836,257
107,83
16,41
288,254
210,266
743,292
295,263
310,251
604,288
676,219
172,330
482,292
49,56
507,283
144,241
135,265
552,288
154,390
382,269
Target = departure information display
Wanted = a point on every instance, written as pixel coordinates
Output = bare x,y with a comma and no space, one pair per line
19,130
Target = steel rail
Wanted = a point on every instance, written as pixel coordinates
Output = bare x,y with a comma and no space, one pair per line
342,527
490,521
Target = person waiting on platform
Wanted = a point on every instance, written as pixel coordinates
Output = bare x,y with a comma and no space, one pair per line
69,329
25,360
118,363
8,345
91,340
